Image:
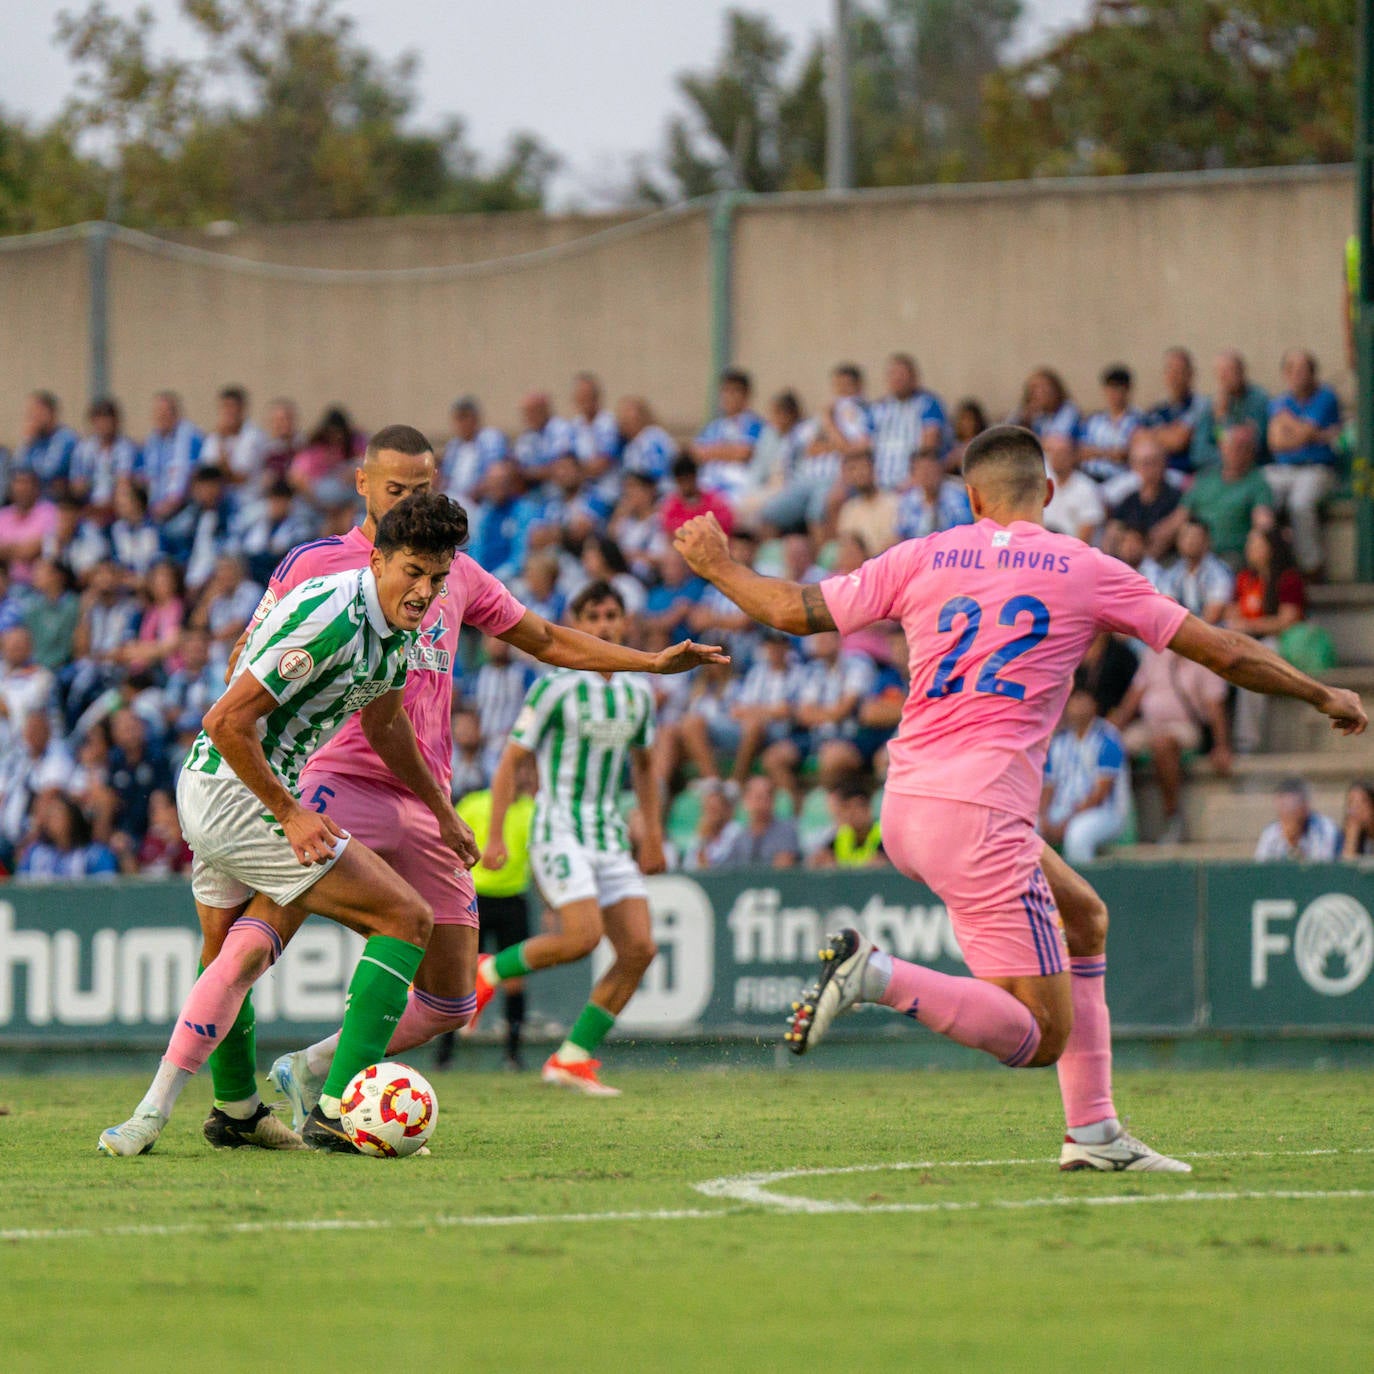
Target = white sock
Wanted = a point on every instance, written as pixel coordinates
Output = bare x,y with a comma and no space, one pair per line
876,976
240,1110
164,1090
319,1058
1096,1133
330,1107
571,1054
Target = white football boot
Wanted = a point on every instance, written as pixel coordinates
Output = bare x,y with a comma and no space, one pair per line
136,1136
1122,1153
843,959
291,1077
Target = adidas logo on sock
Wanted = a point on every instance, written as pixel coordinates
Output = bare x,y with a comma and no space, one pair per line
207,1031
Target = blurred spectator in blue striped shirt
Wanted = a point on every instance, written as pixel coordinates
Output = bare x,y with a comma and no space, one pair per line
1199,579
171,453
104,455
725,448
469,454
906,419
48,445
934,501
1106,444
592,437
648,448
543,438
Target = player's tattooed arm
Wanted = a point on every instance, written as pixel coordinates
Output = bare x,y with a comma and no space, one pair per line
792,607
1252,665
818,617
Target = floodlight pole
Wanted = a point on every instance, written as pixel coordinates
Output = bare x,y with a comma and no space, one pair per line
98,310
839,140
1364,292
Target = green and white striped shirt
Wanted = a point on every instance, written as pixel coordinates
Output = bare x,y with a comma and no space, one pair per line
581,727
323,651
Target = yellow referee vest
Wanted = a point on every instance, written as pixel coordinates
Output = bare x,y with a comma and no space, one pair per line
514,877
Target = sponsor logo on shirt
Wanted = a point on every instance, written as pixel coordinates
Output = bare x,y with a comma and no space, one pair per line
1001,539
425,652
358,697
295,664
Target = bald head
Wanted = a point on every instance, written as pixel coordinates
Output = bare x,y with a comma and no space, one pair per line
1005,471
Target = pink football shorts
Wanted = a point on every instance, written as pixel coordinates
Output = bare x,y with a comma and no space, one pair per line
985,866
394,823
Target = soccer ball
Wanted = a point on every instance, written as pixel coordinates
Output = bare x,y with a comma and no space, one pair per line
389,1110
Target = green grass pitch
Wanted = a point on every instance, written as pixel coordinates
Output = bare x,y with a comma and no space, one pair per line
554,1233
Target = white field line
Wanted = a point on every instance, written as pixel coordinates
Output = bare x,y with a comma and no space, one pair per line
746,1191
753,1189
307,1224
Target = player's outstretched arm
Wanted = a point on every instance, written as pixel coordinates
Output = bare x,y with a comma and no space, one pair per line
232,725
1248,664
791,607
392,736
561,646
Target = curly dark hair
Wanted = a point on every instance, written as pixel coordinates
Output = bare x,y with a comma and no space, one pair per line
426,523
593,594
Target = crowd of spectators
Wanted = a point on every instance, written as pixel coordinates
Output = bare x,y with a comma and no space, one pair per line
128,568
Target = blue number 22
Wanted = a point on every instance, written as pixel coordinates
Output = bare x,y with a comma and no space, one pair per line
947,683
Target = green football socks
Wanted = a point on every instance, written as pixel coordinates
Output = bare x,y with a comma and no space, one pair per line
588,1031
233,1063
376,1001
510,962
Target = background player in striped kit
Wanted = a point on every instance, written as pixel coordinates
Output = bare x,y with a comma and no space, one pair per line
582,727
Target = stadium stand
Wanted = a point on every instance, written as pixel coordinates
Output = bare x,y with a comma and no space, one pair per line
128,569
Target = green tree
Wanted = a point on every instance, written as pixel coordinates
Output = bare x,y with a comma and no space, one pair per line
916,68
735,134
285,116
1176,85
43,183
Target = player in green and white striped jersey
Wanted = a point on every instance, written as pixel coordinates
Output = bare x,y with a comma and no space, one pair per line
583,728
333,646
322,653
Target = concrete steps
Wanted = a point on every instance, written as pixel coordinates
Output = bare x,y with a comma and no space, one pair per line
1233,811
1338,538
1292,727
1203,852
1346,610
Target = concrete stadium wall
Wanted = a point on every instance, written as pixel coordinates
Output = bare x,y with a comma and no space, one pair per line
43,328
980,282
629,309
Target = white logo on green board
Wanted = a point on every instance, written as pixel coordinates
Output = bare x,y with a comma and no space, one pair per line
1334,944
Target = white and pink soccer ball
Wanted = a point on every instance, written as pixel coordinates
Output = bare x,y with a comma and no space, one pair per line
389,1110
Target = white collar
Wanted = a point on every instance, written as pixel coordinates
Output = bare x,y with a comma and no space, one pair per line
368,583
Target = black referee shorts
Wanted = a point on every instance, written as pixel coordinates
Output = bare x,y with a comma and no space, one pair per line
503,921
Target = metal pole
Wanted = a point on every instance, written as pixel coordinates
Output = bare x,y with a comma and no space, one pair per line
839,140
722,290
1364,295
98,309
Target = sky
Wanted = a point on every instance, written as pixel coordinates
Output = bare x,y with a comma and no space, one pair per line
592,78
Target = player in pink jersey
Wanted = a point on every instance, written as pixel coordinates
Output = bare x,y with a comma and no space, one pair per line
346,781
997,616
